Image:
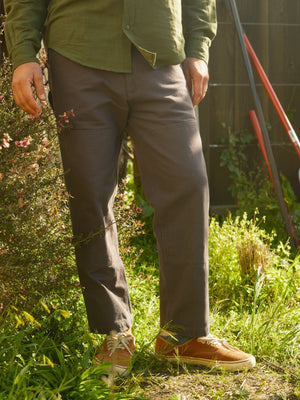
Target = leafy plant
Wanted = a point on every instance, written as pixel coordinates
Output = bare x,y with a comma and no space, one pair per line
35,233
254,288
252,189
238,249
233,156
36,253
42,358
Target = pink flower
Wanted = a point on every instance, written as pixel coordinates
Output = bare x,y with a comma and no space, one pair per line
139,210
6,140
5,143
65,116
23,143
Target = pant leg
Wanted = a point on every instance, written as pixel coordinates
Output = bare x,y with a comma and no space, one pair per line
90,147
168,146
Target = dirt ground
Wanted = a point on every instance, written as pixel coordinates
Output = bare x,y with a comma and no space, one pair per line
265,382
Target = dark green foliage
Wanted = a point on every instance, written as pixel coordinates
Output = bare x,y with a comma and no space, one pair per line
252,189
43,359
233,156
35,234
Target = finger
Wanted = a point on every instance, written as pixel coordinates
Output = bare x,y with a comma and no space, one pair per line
197,95
200,89
204,86
25,100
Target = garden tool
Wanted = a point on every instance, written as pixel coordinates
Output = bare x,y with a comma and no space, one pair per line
266,139
274,99
257,130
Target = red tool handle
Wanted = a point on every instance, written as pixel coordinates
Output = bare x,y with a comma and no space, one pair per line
260,139
274,99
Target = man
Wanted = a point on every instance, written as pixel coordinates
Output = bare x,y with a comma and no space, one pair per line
139,66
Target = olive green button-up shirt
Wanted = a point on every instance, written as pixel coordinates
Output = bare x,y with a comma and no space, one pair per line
99,33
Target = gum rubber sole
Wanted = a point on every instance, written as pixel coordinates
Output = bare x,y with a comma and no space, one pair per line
227,365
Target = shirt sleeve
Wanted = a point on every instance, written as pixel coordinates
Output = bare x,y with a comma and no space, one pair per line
23,29
199,20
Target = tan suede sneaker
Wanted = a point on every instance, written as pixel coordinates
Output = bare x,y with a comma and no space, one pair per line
208,351
117,349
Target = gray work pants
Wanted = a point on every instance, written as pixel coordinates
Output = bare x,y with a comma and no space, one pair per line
155,108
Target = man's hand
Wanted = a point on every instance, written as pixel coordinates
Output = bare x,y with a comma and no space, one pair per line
196,75
25,77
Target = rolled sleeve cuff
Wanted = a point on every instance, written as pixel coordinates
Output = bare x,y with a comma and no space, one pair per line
198,48
23,54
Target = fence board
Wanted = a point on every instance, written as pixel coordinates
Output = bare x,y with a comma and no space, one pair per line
273,29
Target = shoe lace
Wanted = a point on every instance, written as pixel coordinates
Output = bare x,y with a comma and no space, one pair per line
118,341
212,340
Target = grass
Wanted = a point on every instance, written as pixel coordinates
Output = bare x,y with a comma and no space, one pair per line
47,353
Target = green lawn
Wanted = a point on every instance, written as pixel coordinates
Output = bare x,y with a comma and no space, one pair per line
47,353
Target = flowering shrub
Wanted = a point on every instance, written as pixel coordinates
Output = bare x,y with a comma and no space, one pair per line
35,252
36,256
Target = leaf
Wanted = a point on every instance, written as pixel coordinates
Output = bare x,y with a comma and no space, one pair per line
30,318
45,307
47,361
65,313
19,321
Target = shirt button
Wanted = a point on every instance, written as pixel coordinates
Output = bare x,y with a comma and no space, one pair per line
127,27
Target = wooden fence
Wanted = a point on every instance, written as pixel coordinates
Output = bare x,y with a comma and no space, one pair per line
273,28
